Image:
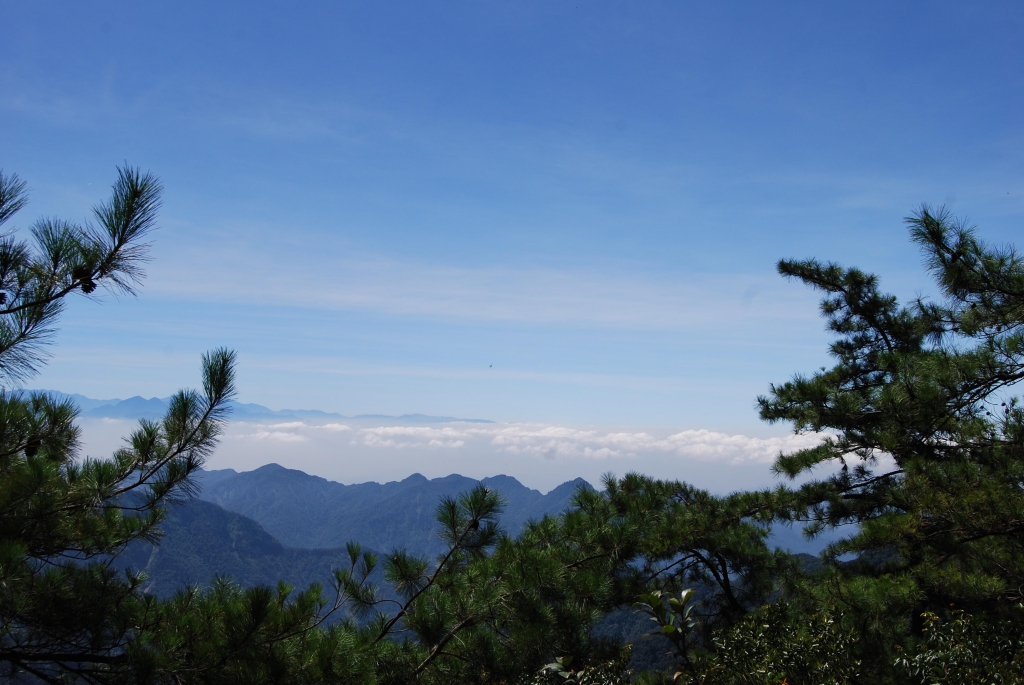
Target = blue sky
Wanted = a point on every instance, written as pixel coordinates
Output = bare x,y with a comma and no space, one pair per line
541,212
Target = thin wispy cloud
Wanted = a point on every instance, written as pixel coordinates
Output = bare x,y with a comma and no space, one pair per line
491,294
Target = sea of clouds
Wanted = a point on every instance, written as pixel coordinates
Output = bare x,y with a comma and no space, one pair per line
539,455
551,442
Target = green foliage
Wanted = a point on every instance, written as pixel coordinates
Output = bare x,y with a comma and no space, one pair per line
615,671
672,614
782,644
666,535
777,643
228,634
61,518
966,649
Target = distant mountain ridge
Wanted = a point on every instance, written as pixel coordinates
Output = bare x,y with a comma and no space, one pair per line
259,527
311,512
155,407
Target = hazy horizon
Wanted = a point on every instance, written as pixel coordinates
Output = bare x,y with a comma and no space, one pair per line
368,447
541,456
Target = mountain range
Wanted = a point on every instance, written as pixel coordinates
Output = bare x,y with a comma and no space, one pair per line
311,512
155,407
271,524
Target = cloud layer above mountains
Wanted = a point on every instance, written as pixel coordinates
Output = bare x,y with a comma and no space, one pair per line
551,442
542,456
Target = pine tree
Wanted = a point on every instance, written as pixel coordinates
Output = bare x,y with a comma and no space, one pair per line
926,446
63,611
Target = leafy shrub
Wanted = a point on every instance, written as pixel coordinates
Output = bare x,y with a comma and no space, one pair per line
967,650
779,644
611,672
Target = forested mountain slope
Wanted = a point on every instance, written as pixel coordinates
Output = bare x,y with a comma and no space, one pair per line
202,541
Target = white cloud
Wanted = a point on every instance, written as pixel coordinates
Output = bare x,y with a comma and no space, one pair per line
413,436
544,440
706,445
276,432
709,445
282,436
336,427
565,441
